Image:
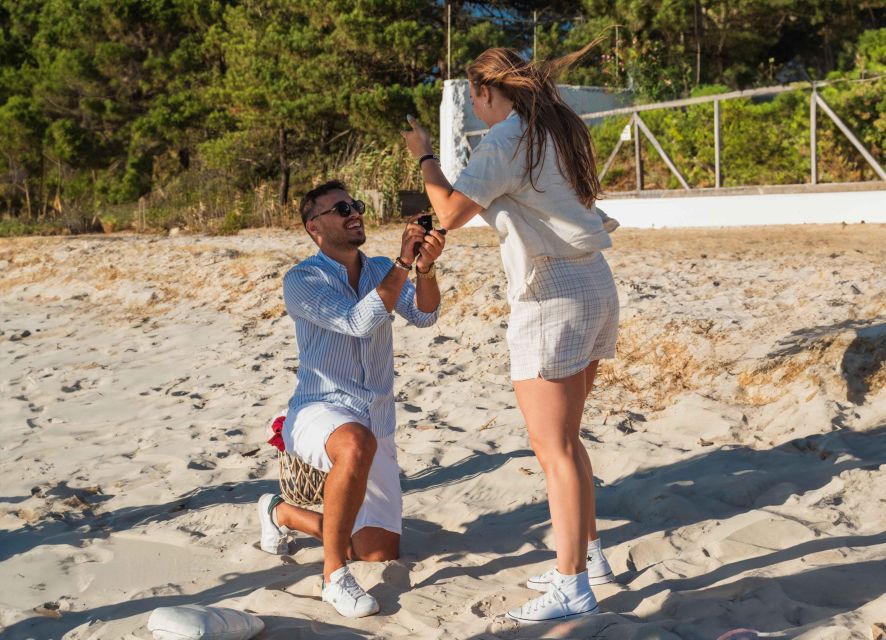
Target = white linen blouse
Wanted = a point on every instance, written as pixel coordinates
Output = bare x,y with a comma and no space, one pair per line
548,220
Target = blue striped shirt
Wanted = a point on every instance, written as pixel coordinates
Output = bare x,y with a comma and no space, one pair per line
345,343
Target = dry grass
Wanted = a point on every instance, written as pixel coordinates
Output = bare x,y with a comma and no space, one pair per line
496,311
795,243
654,365
815,362
876,382
663,351
32,276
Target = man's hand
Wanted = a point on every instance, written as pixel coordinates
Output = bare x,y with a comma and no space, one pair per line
413,237
418,141
431,248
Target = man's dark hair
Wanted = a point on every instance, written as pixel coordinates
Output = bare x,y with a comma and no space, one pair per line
306,206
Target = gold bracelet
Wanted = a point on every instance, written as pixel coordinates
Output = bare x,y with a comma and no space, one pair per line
430,274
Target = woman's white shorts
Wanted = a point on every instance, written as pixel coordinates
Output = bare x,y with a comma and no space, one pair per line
566,318
306,438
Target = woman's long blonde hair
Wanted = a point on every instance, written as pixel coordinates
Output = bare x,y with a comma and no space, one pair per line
532,88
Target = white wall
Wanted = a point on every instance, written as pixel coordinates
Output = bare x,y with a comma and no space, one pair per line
741,210
457,118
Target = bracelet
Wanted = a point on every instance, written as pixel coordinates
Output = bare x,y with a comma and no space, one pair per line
430,274
398,262
427,156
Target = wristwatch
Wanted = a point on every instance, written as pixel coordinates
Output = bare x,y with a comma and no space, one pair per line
427,275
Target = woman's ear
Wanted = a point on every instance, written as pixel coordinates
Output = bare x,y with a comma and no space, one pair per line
485,95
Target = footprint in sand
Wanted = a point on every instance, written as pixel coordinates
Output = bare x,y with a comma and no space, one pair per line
489,607
72,388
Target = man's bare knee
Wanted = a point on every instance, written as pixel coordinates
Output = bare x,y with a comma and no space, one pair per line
351,444
380,555
374,544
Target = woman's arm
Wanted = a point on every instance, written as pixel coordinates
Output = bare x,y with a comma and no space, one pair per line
453,208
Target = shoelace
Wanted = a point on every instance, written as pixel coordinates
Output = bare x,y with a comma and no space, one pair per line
547,599
349,584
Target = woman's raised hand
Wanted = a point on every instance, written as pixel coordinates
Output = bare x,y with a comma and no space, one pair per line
418,140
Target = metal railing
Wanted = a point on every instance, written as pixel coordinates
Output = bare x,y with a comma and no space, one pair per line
638,126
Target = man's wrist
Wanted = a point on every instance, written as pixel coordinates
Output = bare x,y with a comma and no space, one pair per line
429,274
401,264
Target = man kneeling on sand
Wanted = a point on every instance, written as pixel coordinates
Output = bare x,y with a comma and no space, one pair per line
341,416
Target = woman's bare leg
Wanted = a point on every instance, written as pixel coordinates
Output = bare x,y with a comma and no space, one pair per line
552,410
590,373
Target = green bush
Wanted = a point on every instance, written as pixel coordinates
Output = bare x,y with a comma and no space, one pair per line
763,140
10,227
385,170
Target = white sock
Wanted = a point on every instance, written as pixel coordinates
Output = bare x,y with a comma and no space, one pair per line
571,585
274,516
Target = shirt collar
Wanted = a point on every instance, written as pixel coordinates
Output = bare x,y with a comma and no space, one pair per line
338,266
512,114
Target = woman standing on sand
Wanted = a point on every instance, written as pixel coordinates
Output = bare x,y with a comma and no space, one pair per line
533,179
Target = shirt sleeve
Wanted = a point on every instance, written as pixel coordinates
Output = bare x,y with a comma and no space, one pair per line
492,172
406,308
308,295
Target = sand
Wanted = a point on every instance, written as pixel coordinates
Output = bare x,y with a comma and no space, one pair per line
739,440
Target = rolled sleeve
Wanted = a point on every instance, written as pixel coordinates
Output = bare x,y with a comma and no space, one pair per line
412,314
308,295
489,174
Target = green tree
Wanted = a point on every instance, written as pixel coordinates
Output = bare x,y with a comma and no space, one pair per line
304,79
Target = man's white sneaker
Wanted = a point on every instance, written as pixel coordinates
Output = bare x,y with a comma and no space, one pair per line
555,605
599,571
273,538
348,597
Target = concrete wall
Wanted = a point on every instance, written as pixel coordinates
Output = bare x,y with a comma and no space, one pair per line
457,118
746,210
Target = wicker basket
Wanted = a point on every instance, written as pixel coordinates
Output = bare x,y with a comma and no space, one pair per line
300,483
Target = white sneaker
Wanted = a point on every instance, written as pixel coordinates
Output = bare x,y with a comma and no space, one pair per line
273,538
347,596
555,605
599,571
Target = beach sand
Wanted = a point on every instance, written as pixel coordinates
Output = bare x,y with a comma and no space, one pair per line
739,440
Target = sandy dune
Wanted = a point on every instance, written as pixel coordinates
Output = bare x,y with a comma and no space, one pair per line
739,440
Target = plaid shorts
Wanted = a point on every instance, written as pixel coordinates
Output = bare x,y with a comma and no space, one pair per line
566,318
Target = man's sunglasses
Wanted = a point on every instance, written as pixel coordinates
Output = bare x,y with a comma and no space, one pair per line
343,208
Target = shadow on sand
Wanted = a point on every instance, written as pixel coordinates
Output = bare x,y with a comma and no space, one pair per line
72,527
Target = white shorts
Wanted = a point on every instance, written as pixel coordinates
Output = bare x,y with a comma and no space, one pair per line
305,436
567,317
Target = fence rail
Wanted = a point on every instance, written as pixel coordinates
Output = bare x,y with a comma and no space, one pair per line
638,127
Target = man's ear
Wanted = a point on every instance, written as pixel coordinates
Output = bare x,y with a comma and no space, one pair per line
310,226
